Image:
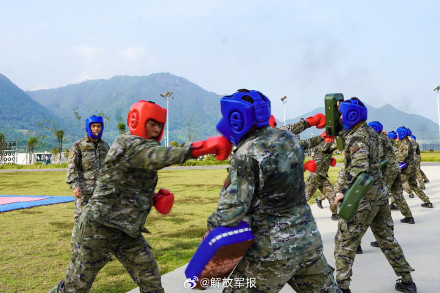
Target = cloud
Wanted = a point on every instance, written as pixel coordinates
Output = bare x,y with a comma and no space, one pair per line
134,55
96,63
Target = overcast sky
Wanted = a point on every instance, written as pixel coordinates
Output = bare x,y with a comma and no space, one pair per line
384,52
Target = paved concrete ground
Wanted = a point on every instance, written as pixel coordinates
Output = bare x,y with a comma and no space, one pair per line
371,271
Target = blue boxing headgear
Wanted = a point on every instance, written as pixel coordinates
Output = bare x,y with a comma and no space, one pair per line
409,131
94,119
402,132
353,111
241,111
414,137
376,125
392,135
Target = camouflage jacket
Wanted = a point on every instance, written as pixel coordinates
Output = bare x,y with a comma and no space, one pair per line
396,144
265,187
416,148
322,155
361,155
125,187
85,161
299,127
386,152
406,155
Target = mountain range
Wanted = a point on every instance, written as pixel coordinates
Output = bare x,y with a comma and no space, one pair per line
193,111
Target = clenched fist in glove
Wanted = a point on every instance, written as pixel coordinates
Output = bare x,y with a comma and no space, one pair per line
310,165
163,201
317,120
327,138
333,162
219,146
272,121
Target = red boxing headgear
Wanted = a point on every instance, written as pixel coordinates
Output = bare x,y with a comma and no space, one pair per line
142,111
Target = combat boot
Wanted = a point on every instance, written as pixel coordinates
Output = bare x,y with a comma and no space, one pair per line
412,195
393,207
345,290
409,220
335,217
427,205
374,244
319,203
359,250
405,286
425,180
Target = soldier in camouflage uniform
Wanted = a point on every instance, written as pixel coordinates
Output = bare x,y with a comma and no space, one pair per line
361,155
319,179
85,161
396,145
391,173
112,221
420,175
406,156
265,188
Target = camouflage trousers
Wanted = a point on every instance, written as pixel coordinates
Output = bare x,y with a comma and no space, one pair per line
316,181
409,183
420,175
375,214
96,244
308,272
395,191
79,204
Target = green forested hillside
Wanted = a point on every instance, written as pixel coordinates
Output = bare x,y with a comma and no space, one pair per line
19,114
193,111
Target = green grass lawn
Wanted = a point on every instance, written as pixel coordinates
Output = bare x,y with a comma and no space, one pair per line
35,242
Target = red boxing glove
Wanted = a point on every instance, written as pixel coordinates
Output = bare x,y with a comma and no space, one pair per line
163,201
333,162
327,138
317,120
219,146
310,165
272,121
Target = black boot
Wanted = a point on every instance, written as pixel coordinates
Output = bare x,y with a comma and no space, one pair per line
412,195
405,286
374,244
359,250
408,220
345,290
335,217
319,203
393,207
427,205
425,180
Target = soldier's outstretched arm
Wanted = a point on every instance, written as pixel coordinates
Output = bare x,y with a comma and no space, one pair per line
311,142
148,154
317,120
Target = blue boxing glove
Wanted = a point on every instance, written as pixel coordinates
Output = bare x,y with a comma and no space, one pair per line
402,165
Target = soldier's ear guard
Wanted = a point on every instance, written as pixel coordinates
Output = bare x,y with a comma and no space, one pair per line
142,111
94,119
241,111
402,132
